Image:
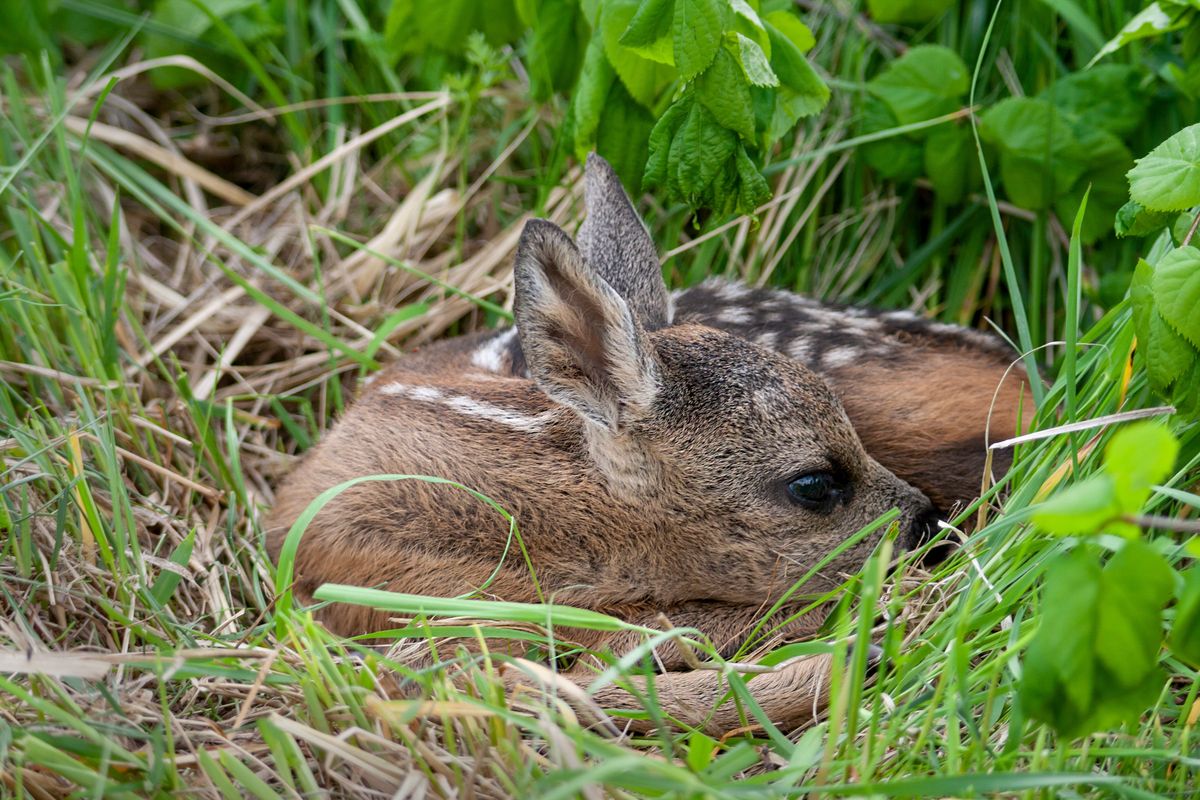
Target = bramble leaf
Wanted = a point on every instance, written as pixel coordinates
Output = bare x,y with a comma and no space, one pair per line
1133,219
1166,354
1083,508
643,77
723,90
754,62
649,31
1040,156
926,82
1168,177
696,35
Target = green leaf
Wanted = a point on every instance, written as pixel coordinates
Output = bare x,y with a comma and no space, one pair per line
1168,178
623,137
899,158
1134,220
649,31
1104,177
754,190
754,62
1185,631
723,90
643,77
552,57
926,82
1040,156
808,93
1083,508
792,28
587,103
950,161
911,12
1176,286
26,27
699,149
1167,355
661,137
1139,455
1108,97
1151,21
696,34
1136,584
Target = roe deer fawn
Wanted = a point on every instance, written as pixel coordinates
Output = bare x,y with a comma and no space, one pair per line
655,466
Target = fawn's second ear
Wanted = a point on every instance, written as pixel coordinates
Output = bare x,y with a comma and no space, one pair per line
616,244
582,343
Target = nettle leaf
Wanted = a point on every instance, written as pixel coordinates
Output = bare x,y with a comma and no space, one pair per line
1133,219
1167,355
912,12
661,137
697,28
926,82
723,90
1093,662
643,77
1185,631
753,62
754,190
1176,286
1168,178
649,31
1040,156
1108,97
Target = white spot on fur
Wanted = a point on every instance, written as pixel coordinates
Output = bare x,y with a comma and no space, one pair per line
471,407
769,339
371,379
735,315
490,356
840,356
799,350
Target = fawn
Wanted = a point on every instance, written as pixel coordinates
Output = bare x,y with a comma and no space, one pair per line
655,463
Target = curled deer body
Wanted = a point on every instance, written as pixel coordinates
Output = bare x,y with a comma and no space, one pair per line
655,463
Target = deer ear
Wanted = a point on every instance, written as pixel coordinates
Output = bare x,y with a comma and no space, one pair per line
582,343
615,243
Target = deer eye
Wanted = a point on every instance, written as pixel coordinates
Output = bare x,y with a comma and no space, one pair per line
816,491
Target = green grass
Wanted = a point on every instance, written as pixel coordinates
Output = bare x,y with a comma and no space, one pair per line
163,355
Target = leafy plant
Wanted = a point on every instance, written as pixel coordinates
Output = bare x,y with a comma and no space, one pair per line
1093,662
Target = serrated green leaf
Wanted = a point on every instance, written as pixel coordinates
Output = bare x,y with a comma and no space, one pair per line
1176,287
753,190
791,27
649,31
754,63
911,12
723,90
661,137
1132,219
699,149
1185,630
1166,354
1084,508
1168,177
1151,21
696,35
926,82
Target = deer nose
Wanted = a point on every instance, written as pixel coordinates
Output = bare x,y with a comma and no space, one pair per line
922,529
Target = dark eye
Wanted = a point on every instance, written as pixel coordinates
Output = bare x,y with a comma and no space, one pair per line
816,491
